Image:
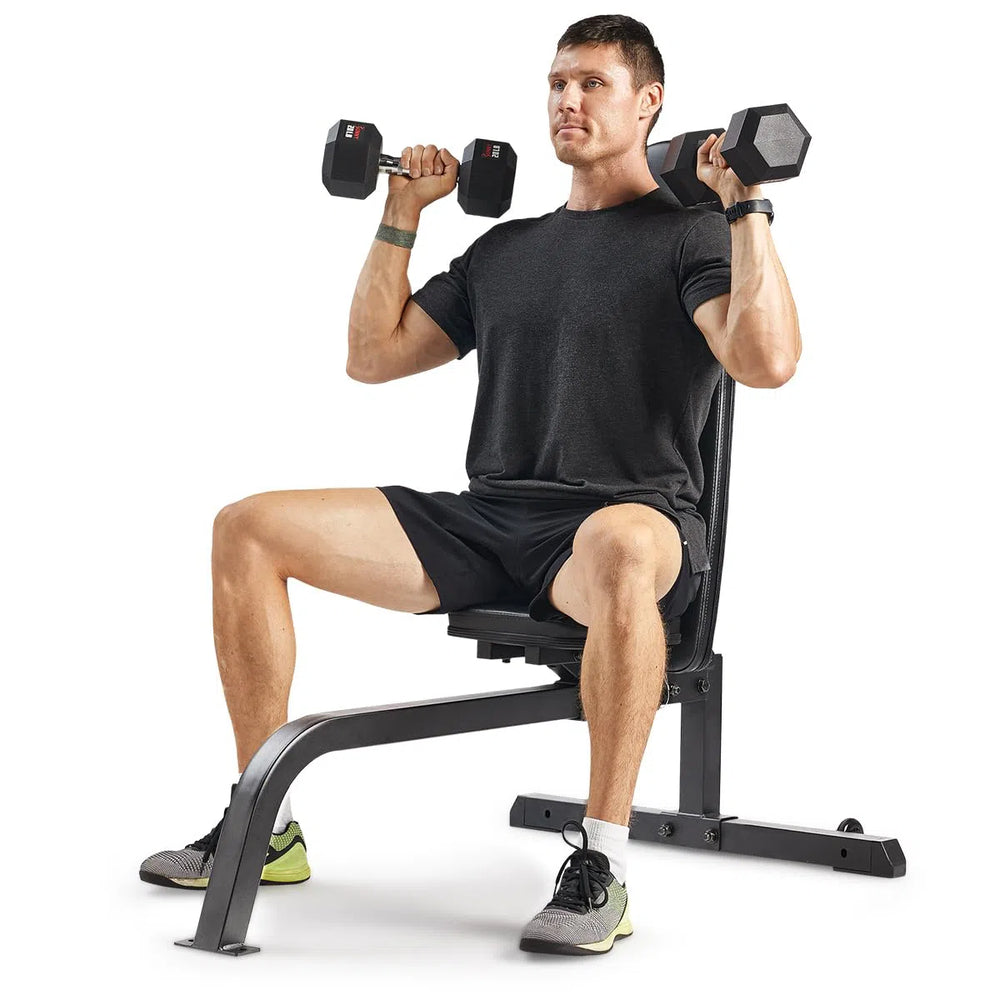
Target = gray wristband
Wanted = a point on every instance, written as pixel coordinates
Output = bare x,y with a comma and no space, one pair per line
397,237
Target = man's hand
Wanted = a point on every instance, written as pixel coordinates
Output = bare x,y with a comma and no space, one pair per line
432,173
713,171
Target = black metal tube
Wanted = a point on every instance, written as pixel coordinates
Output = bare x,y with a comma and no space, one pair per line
701,746
847,852
236,868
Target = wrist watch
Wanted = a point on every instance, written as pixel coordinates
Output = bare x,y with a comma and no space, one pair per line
741,208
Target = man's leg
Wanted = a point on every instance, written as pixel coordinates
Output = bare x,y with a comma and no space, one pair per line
625,559
346,541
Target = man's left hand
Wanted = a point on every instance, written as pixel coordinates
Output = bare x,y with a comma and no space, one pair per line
713,171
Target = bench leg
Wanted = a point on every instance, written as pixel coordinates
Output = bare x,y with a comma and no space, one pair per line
845,852
698,822
243,841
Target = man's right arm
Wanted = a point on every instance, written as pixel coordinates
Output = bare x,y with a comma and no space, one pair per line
389,336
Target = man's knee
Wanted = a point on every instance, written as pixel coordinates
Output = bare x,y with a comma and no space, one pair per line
240,523
616,554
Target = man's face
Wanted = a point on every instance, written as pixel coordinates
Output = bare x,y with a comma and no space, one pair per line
590,88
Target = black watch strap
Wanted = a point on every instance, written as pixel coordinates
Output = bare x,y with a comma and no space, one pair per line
741,208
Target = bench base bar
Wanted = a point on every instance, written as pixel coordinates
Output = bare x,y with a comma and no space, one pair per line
844,852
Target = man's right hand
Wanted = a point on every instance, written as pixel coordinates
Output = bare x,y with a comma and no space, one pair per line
433,173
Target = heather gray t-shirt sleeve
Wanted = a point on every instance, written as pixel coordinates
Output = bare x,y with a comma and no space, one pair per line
446,299
703,271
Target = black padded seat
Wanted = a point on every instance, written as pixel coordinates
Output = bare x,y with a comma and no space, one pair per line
510,624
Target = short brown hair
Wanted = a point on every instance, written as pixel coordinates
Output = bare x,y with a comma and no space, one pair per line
635,47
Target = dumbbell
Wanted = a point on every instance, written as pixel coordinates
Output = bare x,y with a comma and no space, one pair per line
762,144
353,159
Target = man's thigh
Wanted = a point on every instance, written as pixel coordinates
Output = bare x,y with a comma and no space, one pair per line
599,537
347,541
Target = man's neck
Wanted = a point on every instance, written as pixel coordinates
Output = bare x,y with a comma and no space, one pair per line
601,187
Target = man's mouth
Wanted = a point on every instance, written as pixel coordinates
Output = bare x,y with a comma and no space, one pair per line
571,128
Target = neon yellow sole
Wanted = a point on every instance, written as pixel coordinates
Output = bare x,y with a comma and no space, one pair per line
624,929
288,869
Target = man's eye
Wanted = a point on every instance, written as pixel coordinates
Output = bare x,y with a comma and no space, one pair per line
594,81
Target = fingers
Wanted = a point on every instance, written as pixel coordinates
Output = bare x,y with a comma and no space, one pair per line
411,160
444,162
716,156
710,151
423,161
448,162
416,161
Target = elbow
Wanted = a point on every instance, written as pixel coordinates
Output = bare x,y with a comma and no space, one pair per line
783,365
359,370
780,373
362,375
367,359
765,354
770,375
768,369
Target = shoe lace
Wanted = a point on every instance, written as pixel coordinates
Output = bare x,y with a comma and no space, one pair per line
208,844
583,868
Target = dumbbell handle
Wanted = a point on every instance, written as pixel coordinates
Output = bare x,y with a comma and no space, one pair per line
391,165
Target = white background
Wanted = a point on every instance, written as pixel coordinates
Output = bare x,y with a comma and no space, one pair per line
176,292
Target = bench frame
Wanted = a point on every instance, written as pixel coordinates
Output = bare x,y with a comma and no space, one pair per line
693,680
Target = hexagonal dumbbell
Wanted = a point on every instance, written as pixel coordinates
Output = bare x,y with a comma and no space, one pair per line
762,144
353,159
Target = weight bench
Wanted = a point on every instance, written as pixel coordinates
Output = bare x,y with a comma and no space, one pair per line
503,631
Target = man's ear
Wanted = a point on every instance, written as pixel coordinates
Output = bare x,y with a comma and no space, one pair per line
653,97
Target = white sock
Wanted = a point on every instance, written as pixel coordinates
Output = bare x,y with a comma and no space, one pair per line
608,838
284,816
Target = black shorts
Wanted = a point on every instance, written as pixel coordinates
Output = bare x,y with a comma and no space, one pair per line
479,550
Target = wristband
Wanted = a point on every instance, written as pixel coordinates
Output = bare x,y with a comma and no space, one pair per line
741,208
397,237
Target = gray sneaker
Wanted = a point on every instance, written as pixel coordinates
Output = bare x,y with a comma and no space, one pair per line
588,911
191,868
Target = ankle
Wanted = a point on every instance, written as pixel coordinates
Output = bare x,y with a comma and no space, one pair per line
284,816
611,839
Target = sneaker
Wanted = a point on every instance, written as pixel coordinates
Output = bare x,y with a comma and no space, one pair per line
588,911
286,862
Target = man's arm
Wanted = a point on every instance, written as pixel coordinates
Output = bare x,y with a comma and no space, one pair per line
753,331
382,291
383,288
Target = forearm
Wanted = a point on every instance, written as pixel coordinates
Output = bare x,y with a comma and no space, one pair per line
762,323
382,290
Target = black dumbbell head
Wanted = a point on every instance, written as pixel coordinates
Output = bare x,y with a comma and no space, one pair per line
767,143
679,168
350,160
486,178
656,153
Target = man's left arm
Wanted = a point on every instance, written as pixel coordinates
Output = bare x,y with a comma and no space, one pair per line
755,329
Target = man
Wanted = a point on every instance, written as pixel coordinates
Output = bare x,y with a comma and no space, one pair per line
601,330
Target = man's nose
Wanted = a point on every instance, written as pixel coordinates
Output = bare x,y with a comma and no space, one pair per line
569,99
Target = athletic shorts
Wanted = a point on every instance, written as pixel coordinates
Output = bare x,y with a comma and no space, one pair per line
484,549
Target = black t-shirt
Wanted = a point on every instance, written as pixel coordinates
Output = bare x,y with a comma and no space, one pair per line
593,379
